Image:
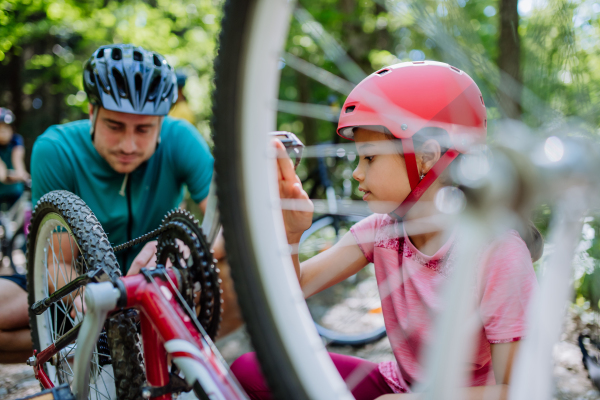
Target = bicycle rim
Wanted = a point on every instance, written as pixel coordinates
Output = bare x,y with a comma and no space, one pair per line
57,320
291,354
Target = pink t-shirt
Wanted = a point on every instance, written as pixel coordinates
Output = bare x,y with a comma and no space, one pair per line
410,289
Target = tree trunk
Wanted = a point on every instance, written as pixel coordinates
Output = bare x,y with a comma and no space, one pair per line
15,66
509,54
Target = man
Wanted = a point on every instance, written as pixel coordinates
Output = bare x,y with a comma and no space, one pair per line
129,161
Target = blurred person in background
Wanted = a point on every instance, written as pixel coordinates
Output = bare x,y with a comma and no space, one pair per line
15,340
12,161
181,109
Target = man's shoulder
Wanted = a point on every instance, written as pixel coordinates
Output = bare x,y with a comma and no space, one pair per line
175,126
67,133
178,135
71,135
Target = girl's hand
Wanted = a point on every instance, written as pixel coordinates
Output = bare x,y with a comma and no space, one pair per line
297,214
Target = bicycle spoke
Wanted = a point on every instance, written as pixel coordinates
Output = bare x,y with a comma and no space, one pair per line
101,372
319,74
316,111
332,49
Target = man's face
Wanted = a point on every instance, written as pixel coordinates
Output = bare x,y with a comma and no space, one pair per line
6,133
125,140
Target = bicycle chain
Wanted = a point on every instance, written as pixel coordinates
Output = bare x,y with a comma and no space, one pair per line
205,271
141,239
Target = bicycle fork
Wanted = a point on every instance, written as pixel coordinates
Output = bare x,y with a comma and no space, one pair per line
166,330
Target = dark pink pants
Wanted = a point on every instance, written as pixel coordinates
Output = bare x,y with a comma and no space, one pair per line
362,377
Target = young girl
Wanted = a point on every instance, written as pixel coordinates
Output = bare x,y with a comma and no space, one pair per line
410,121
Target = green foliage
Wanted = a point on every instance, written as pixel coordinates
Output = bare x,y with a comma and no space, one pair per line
51,40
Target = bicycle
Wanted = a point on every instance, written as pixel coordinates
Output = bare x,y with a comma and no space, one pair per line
14,224
292,358
106,360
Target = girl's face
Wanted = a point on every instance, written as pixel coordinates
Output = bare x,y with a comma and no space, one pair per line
381,171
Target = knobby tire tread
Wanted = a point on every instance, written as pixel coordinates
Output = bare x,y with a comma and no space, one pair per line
127,361
97,251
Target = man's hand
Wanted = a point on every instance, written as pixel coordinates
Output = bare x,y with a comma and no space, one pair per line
145,259
290,187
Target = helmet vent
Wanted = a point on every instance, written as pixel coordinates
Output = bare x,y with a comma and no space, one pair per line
152,91
381,73
455,69
121,89
157,61
482,103
485,123
116,54
169,93
418,62
100,53
349,109
137,56
138,83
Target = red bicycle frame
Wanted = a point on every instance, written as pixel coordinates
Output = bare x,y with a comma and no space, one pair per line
165,330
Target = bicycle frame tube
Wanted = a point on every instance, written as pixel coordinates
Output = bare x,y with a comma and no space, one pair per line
166,329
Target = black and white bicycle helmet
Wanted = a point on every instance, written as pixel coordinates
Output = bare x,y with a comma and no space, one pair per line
6,116
130,79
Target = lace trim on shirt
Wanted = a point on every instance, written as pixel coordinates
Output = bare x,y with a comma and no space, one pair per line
516,339
389,238
435,265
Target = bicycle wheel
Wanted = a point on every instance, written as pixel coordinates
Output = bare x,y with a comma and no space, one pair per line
65,241
349,313
292,356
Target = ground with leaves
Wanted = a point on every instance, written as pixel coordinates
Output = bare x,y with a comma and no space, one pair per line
17,381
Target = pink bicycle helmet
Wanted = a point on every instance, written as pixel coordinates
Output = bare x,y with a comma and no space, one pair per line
407,97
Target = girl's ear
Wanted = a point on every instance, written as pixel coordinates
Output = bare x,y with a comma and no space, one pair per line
429,153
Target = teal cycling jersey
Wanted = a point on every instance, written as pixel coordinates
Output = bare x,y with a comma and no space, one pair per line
127,206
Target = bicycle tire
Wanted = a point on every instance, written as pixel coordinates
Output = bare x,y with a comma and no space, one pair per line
335,337
67,212
292,356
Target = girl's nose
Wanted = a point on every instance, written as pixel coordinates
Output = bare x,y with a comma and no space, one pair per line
358,174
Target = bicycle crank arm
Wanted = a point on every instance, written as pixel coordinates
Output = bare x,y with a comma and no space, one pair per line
95,276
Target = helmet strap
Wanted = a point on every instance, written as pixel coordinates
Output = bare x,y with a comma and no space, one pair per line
410,159
93,121
422,186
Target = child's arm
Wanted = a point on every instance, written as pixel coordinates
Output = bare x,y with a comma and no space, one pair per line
503,356
3,172
18,162
331,266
